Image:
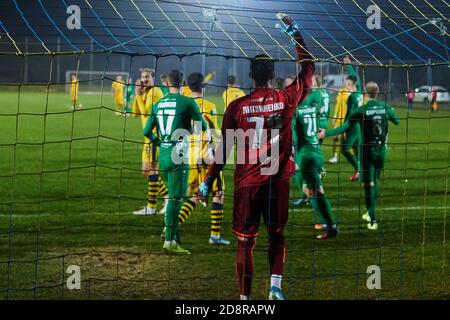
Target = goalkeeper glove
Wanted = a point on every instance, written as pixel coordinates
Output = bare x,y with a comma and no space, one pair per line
290,27
204,189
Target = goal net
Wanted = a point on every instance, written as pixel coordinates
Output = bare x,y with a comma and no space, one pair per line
91,81
71,177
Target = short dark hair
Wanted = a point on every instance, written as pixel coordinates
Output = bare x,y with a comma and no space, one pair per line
262,69
231,79
195,81
352,78
174,78
292,77
278,83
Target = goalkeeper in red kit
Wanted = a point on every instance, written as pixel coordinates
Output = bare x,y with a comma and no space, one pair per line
262,188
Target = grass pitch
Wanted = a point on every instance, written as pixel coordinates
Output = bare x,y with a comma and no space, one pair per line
69,181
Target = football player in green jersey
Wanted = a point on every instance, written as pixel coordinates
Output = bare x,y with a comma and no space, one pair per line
129,96
318,97
172,117
352,139
373,119
324,105
310,160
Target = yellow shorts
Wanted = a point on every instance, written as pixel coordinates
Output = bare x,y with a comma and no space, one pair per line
197,174
150,153
118,101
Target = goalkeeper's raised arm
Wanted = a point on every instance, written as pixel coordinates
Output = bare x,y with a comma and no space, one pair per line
299,89
262,72
253,179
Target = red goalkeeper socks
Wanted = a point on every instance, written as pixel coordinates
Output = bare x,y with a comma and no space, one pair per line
244,265
277,253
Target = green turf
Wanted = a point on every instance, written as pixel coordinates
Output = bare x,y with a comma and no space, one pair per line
69,180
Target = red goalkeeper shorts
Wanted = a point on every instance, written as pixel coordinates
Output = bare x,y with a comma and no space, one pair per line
271,201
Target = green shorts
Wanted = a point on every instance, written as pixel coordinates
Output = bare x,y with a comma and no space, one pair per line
298,157
311,167
372,163
353,138
175,176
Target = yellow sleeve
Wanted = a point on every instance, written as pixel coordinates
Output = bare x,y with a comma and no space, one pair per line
160,94
153,96
210,115
117,89
186,91
208,77
138,106
224,96
338,109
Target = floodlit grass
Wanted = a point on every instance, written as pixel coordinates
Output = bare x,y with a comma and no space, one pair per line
69,181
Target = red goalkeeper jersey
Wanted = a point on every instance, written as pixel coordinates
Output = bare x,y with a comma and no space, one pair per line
264,110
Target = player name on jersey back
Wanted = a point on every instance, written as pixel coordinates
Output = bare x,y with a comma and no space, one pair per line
166,103
302,111
271,107
371,112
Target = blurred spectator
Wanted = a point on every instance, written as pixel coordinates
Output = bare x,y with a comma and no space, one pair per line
434,103
411,96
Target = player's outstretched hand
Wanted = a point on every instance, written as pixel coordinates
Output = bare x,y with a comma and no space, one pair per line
203,193
321,134
289,27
